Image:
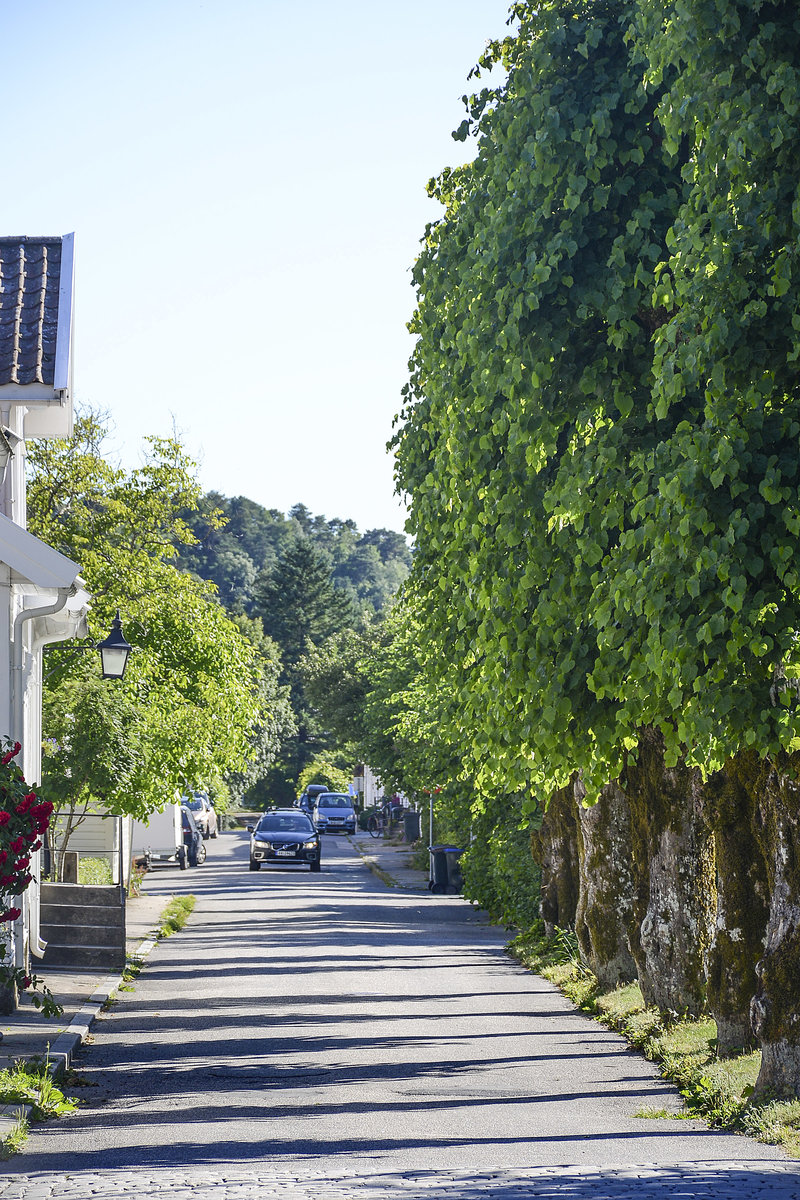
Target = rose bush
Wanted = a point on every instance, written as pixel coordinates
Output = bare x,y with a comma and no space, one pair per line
23,822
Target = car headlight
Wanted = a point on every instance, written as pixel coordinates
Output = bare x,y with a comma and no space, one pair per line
263,843
311,845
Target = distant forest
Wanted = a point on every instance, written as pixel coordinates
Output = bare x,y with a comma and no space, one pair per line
241,546
296,584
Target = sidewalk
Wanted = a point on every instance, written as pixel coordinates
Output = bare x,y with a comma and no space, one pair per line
390,861
82,993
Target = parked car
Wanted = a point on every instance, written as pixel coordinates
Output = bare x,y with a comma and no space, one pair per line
284,835
334,813
192,838
204,812
306,801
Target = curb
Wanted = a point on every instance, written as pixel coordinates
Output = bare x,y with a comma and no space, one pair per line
60,1052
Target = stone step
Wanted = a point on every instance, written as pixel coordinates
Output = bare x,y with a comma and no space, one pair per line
82,935
93,957
81,895
80,915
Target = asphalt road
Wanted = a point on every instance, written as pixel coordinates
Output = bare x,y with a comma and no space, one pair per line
325,1025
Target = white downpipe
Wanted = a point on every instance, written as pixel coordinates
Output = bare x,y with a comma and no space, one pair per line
38,947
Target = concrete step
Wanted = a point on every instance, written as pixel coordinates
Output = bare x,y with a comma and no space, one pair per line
69,914
98,957
82,935
77,893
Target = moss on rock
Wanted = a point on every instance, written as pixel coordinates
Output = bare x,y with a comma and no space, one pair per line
674,896
555,848
606,888
742,900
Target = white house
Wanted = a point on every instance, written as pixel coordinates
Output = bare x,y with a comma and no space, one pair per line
42,598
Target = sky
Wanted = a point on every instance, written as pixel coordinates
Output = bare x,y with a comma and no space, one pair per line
246,184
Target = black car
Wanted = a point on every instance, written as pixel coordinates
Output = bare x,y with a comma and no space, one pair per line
192,838
284,835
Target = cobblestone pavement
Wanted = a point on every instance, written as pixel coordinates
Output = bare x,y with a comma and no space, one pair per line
696,1181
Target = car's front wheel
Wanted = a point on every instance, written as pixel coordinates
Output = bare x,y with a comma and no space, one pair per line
316,866
201,853
254,866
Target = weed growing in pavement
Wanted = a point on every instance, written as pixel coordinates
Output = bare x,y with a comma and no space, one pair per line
716,1089
15,1139
31,1083
176,914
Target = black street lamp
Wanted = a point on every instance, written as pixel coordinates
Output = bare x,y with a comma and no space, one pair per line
114,651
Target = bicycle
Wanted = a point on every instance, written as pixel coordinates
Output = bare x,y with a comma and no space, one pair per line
376,823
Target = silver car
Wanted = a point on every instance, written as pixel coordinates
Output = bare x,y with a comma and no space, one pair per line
334,813
203,812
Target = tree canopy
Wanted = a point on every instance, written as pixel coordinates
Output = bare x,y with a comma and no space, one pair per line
600,436
195,691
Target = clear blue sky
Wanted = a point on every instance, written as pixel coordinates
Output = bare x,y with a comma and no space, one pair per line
246,183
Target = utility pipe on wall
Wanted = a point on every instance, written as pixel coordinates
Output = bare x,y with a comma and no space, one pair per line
38,947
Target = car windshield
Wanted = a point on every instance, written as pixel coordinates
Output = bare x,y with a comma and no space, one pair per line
284,823
334,802
194,804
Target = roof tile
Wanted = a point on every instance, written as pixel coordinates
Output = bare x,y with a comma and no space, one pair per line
30,272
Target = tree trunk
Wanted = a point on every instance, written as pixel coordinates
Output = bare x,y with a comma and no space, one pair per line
555,848
672,915
742,900
606,893
774,1010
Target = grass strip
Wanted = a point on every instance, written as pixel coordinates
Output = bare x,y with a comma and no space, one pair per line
175,915
715,1089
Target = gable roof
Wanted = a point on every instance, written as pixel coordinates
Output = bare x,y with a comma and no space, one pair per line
35,310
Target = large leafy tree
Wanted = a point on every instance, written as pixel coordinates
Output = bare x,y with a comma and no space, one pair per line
530,385
601,433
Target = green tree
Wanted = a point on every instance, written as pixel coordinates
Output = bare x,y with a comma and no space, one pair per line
601,431
186,712
298,603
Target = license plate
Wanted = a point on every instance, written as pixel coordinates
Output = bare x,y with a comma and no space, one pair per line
286,853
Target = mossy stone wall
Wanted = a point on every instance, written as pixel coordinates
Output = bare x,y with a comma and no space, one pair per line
729,798
555,847
775,1010
606,890
674,900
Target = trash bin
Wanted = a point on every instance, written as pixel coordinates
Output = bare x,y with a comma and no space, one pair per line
411,826
445,874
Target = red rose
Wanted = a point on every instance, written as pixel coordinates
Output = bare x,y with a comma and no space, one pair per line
4,818
17,845
5,880
21,864
11,915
